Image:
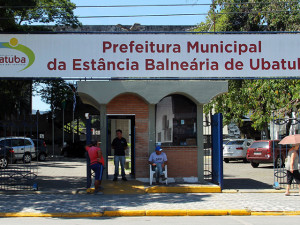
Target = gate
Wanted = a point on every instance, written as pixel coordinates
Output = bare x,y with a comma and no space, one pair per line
207,150
213,159
18,155
278,132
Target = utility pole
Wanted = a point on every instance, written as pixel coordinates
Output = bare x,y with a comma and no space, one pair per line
52,114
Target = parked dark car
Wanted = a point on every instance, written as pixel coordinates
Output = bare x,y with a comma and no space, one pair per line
76,149
262,152
7,156
41,148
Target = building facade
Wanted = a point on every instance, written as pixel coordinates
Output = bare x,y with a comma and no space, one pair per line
166,112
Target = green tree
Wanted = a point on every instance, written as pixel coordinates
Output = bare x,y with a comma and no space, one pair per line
259,98
252,15
18,14
16,105
54,92
266,97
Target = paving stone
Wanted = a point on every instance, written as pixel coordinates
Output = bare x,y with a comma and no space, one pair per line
97,203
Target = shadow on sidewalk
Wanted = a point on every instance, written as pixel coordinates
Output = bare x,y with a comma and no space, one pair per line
245,183
60,184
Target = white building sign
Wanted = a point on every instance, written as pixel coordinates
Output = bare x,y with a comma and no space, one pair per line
149,55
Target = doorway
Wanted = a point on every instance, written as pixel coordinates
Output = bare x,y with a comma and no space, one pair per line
126,123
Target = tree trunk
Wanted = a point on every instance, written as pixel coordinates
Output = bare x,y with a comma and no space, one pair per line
289,123
267,132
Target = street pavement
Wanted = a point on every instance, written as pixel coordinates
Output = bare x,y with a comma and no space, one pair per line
69,174
147,220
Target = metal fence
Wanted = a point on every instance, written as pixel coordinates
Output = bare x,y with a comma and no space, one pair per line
207,150
18,155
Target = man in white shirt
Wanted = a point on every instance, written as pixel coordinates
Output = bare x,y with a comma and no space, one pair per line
158,160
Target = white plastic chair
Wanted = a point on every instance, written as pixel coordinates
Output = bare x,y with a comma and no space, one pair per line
152,172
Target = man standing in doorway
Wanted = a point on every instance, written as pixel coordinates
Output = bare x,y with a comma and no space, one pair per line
119,144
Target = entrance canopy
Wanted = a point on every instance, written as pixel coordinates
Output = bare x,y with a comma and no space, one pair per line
102,92
102,56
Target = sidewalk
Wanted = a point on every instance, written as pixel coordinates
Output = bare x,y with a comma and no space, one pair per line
131,198
64,194
90,205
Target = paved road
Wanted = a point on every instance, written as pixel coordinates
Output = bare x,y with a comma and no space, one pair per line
230,220
239,175
70,173
62,174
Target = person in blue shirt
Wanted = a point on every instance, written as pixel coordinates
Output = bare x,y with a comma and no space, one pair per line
158,160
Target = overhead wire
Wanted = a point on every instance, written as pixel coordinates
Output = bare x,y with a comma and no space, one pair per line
188,14
169,15
180,14
156,5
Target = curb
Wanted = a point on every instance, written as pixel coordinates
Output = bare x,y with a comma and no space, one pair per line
134,213
152,190
188,189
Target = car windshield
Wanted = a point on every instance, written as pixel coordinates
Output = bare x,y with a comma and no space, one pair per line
262,144
225,141
235,143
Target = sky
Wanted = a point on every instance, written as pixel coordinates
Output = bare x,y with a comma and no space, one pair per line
169,20
37,104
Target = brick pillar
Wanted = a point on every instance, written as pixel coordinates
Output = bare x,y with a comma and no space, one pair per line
132,104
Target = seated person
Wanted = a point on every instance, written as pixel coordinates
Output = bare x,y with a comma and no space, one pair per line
158,160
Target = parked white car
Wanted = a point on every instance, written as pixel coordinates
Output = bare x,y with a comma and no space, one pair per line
236,149
23,147
225,141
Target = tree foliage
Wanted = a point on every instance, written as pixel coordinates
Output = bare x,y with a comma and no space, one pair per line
258,98
16,15
15,99
252,15
54,93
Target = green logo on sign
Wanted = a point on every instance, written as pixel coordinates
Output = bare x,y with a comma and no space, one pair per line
14,44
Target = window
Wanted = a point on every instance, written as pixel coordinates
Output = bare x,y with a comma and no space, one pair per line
27,142
235,143
264,144
16,142
176,121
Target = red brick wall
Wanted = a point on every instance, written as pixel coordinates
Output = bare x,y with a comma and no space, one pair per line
133,104
182,161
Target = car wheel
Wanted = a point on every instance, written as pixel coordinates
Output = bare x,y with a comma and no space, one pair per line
27,158
226,160
245,160
3,163
42,157
279,163
254,165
